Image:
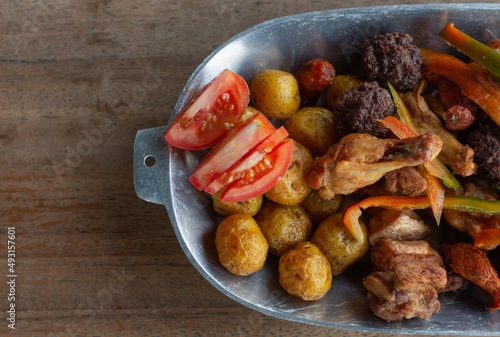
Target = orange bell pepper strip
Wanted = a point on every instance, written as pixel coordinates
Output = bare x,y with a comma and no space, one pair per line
487,237
455,202
434,190
475,82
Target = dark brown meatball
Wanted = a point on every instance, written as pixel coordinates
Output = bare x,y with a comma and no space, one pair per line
360,107
392,57
484,139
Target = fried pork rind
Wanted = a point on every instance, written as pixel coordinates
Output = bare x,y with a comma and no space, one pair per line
240,244
460,158
305,272
283,226
340,248
293,187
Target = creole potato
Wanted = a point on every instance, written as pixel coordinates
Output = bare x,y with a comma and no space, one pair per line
338,245
250,206
293,187
283,226
318,208
312,127
249,112
240,244
336,90
305,272
275,93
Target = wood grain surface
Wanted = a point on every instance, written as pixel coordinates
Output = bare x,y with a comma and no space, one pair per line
78,79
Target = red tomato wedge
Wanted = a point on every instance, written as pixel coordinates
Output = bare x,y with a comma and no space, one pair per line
249,164
266,175
209,115
238,142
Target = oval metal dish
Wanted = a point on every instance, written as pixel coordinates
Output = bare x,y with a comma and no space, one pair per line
284,44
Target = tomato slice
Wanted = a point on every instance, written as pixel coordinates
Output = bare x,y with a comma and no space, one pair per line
249,163
208,116
241,139
266,175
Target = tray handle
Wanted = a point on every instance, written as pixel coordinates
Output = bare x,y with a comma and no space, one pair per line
151,165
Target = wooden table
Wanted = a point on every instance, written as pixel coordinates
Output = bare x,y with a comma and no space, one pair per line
78,79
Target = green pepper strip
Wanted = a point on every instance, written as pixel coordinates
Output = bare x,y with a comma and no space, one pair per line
479,52
435,167
474,81
455,202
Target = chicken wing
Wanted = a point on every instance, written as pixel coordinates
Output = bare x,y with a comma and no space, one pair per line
359,160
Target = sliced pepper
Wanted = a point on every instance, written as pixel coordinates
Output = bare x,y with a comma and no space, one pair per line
436,166
434,190
479,52
487,237
475,82
455,202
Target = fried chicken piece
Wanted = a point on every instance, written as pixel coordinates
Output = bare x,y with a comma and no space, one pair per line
397,224
473,264
359,160
458,157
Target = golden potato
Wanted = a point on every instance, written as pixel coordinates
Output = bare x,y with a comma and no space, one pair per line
250,206
313,127
336,90
293,187
249,112
305,272
318,208
275,93
340,248
283,226
240,244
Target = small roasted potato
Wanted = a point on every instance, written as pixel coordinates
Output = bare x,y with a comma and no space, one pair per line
249,112
313,77
305,272
275,93
293,187
250,206
283,226
240,244
318,208
338,245
335,91
313,127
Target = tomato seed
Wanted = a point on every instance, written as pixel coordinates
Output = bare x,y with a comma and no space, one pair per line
185,122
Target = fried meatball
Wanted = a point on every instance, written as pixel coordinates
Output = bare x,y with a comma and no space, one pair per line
392,57
484,139
305,272
360,107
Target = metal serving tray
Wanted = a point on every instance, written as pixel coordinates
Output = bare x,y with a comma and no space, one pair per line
161,172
